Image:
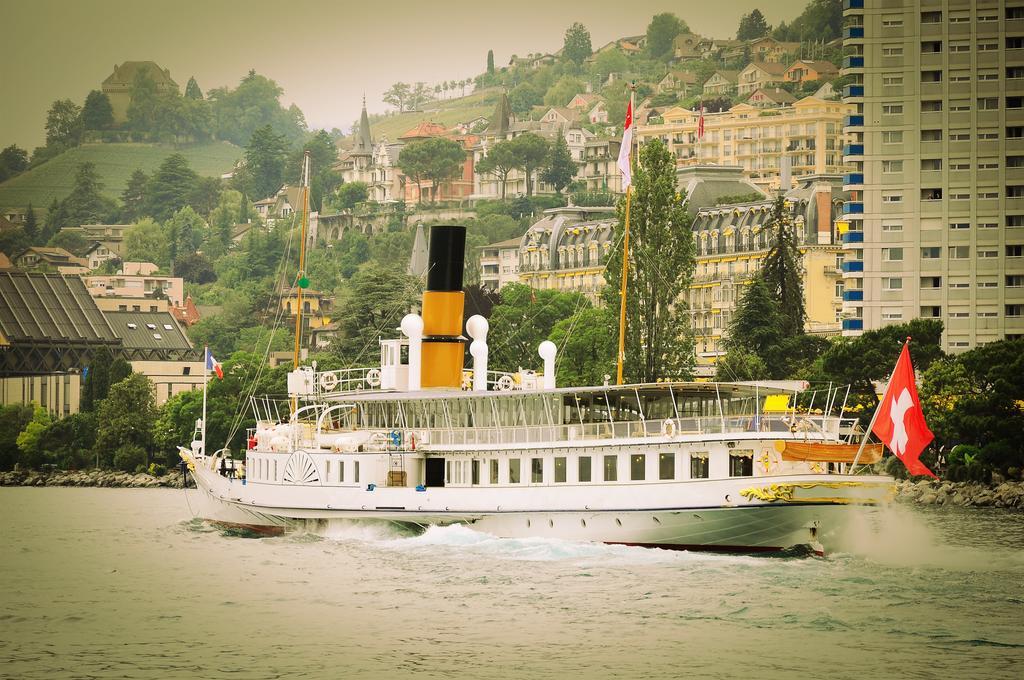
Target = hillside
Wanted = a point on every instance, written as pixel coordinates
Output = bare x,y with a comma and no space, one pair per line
115,164
447,112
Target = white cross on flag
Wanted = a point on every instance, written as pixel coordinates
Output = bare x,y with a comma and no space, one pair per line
900,422
626,148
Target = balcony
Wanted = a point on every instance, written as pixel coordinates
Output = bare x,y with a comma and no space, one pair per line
852,150
853,61
853,324
850,266
853,208
853,121
853,4
853,178
853,237
853,33
853,91
853,296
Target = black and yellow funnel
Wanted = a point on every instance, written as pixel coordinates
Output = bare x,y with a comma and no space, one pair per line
443,303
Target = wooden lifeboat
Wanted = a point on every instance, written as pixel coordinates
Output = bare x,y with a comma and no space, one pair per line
824,452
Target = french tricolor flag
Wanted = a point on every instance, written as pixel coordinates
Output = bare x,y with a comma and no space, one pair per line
213,365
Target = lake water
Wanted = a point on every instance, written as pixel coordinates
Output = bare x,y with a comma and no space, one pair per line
103,583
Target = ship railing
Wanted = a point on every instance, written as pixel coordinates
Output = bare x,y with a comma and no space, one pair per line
812,425
345,380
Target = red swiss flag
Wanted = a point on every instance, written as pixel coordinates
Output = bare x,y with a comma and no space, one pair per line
900,422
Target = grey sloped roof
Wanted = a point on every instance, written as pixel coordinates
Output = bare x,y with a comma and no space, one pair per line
148,325
50,308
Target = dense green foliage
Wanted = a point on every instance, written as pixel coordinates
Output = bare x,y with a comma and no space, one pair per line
662,30
577,46
437,160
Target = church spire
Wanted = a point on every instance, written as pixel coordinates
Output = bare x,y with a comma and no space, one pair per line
500,119
363,142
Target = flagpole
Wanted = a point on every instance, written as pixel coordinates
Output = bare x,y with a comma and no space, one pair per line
864,441
625,255
206,376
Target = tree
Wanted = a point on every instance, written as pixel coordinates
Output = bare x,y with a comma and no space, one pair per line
397,95
97,114
28,440
31,223
782,270
490,62
821,21
379,298
757,325
63,124
192,90
237,114
54,220
185,231
577,46
86,203
437,159
752,26
559,167
147,241
500,161
169,188
125,423
322,155
13,161
205,195
68,443
523,319
563,91
661,33
420,95
143,108
739,365
523,97
72,242
13,419
586,350
133,197
264,162
352,193
194,268
661,261
530,150
608,62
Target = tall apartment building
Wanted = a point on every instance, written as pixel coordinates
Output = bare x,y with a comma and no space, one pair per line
935,224
808,132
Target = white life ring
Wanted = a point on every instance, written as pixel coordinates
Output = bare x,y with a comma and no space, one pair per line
505,383
328,381
373,377
668,428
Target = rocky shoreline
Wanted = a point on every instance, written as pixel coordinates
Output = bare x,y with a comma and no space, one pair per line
1008,494
93,478
964,494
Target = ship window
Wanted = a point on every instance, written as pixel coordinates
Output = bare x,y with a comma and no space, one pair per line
611,468
537,470
494,470
327,469
741,464
637,465
513,470
584,469
559,469
699,466
275,470
475,471
355,474
341,471
666,466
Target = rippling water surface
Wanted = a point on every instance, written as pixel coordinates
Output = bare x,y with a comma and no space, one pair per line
123,583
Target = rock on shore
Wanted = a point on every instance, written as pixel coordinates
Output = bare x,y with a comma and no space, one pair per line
966,494
97,478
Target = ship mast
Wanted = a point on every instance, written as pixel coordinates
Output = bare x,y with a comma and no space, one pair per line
300,280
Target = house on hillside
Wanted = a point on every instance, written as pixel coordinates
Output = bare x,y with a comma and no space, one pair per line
682,82
110,236
38,257
459,188
803,70
558,115
118,85
759,74
721,83
763,49
687,46
770,98
584,101
97,254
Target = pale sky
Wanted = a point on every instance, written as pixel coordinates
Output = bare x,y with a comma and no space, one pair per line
324,54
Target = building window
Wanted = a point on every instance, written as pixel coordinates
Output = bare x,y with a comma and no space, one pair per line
931,17
699,466
891,315
667,464
1015,251
741,464
892,198
892,166
559,469
931,135
892,137
892,51
892,80
988,103
892,21
611,472
892,109
893,283
892,226
637,467
959,225
931,282
959,252
584,468
892,254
